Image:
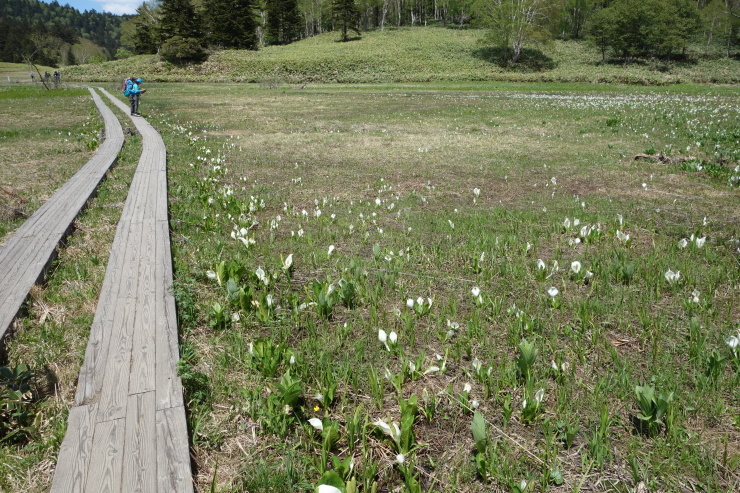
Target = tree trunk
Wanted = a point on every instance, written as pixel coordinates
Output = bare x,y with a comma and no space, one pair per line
517,49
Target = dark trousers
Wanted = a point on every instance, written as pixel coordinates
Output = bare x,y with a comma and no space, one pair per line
134,99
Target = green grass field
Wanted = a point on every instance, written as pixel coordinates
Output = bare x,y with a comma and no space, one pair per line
46,137
19,72
441,287
419,54
379,210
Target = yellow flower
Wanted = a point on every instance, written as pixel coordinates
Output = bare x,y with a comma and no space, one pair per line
316,408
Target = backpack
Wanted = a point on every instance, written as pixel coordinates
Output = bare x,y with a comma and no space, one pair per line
127,85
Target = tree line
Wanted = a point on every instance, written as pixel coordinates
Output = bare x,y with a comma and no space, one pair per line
623,29
49,31
181,30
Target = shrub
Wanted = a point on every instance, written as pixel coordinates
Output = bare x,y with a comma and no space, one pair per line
179,50
16,403
123,53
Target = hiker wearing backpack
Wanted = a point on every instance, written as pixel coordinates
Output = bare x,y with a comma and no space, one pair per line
134,91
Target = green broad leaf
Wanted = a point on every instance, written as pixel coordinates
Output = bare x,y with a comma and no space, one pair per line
342,466
221,273
333,479
406,441
289,389
376,250
478,428
232,289
245,299
556,477
316,287
482,466
330,435
352,485
410,406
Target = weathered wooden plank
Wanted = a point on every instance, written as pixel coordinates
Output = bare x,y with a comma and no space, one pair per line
148,194
173,460
96,354
66,202
131,206
22,263
161,211
109,118
75,452
151,194
153,202
159,152
117,102
140,459
22,257
114,389
169,385
9,252
38,235
57,206
143,366
106,464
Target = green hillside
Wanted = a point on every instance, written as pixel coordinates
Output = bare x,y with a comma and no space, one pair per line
419,54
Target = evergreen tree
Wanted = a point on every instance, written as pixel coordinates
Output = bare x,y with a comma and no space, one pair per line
66,34
65,22
15,42
145,42
347,15
141,32
179,18
601,30
283,21
71,60
232,23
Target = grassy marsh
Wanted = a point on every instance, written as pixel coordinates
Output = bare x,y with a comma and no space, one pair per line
372,192
46,137
442,215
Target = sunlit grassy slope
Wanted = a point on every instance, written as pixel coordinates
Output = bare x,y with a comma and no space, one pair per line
18,72
417,54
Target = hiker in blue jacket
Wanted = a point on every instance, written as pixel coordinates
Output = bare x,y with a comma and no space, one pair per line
133,95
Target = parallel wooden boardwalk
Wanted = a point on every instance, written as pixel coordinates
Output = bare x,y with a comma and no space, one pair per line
31,248
127,430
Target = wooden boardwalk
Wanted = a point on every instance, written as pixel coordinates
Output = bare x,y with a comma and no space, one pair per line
31,248
127,430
